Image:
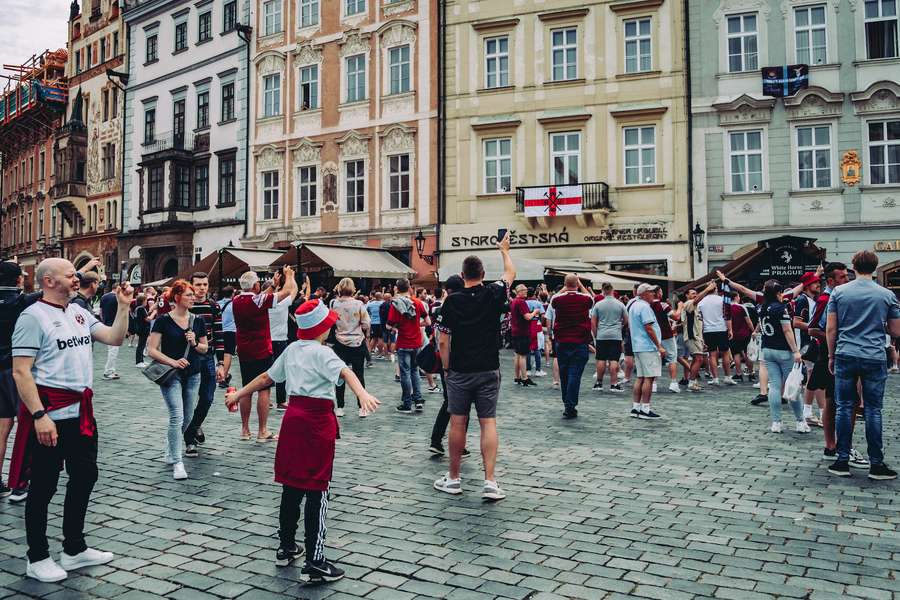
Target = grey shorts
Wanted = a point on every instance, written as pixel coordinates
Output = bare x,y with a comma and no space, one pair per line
671,347
9,395
647,364
465,389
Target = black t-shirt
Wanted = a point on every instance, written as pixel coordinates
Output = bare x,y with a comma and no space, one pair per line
141,325
12,302
772,316
802,309
383,312
173,342
472,318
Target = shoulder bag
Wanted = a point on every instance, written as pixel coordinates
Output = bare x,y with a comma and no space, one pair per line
162,374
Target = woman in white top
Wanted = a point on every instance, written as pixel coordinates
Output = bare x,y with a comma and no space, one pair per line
351,331
278,331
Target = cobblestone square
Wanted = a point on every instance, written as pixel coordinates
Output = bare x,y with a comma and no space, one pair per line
704,504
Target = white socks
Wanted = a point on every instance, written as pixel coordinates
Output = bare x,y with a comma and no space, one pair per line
635,406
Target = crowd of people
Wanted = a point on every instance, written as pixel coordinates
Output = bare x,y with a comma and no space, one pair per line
825,346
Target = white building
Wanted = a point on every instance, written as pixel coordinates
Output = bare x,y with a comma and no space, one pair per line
185,133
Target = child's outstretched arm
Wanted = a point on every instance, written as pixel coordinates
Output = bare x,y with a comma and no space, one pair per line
261,382
366,400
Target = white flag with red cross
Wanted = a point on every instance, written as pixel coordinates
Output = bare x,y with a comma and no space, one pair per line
553,201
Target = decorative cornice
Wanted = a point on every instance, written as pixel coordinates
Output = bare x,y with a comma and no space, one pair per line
635,5
880,97
354,42
741,6
559,15
495,25
552,120
649,111
813,102
493,125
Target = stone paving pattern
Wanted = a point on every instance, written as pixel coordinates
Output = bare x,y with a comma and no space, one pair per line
705,503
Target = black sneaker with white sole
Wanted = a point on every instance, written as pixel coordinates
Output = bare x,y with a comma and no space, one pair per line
829,454
648,415
841,468
436,448
285,556
881,473
191,451
420,406
760,399
18,495
324,571
634,413
406,410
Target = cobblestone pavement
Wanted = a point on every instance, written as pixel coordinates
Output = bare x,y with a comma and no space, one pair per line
705,503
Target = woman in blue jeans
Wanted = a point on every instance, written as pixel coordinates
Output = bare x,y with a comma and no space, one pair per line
780,352
178,339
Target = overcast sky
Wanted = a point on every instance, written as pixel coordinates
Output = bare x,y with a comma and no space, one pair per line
31,26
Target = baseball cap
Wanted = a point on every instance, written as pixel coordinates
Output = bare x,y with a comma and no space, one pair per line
809,278
9,270
645,287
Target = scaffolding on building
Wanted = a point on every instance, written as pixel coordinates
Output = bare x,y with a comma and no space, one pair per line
33,99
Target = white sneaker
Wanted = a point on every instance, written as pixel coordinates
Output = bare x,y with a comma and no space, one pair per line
594,376
88,558
449,486
492,491
141,365
363,413
756,384
857,460
178,471
556,384
339,412
714,381
802,427
393,358
45,570
776,427
674,387
894,370
729,381
544,374
695,386
654,388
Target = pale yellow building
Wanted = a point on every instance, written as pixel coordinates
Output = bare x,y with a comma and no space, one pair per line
566,92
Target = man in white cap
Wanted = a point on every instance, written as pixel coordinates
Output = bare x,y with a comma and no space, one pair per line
645,340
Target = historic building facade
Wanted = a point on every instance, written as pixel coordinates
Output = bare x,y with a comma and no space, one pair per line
87,152
32,107
823,163
584,94
344,125
185,133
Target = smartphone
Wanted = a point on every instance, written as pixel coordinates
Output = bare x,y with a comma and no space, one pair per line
501,233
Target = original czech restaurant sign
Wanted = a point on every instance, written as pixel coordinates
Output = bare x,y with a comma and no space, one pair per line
637,232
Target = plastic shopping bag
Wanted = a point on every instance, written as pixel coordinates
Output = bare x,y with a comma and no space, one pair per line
794,383
753,349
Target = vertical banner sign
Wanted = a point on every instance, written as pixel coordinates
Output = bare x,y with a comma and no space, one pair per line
784,81
553,201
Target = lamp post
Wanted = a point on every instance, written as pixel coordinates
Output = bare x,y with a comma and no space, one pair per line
420,248
697,238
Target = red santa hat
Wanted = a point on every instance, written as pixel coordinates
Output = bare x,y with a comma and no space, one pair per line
314,319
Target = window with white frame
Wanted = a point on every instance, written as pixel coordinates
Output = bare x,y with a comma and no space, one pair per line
884,152
565,157
398,59
497,165
356,78
496,62
203,109
398,180
814,157
308,191
810,35
356,185
640,155
638,45
271,17
881,28
564,53
270,194
309,87
272,95
745,158
354,7
309,13
743,48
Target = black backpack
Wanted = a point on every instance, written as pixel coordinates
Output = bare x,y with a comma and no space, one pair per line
11,307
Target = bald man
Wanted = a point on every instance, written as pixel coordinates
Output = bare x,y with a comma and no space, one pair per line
53,371
572,332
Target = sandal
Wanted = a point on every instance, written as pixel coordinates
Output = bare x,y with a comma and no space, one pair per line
269,438
245,437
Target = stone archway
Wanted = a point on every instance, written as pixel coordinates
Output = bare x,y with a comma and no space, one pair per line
169,268
889,276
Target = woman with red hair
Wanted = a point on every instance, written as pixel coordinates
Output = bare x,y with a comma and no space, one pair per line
178,339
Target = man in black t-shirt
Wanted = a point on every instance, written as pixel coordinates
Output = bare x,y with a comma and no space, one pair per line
469,325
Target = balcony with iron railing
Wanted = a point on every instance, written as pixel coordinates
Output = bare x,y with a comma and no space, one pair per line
176,142
594,210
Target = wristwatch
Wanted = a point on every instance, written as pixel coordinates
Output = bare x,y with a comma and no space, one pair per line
38,414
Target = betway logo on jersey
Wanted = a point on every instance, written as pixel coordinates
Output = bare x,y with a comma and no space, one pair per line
74,342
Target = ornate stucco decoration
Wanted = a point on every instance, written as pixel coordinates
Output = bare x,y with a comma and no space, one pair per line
880,97
850,167
307,54
398,33
306,152
353,145
741,6
745,109
354,42
269,158
398,139
814,103
398,6
269,62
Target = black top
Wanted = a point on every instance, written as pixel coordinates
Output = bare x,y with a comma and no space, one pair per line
173,342
772,316
81,301
472,317
12,303
141,325
109,306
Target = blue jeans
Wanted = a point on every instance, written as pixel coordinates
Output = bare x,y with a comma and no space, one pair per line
873,374
409,376
537,359
780,363
205,400
179,396
571,358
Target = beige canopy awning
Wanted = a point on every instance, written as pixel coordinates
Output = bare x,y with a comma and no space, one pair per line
345,261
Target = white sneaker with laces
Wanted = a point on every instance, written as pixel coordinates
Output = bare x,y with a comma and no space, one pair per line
756,384
449,486
729,381
178,471
857,460
674,387
543,373
776,427
492,491
88,558
45,570
714,381
339,412
363,413
802,427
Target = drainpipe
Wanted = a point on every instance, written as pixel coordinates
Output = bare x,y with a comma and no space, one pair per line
690,130
245,32
442,129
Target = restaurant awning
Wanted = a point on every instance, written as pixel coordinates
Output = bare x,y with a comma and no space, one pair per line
529,269
231,263
369,263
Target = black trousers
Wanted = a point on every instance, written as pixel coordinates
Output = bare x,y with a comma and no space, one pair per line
139,351
355,357
280,389
313,520
442,420
79,454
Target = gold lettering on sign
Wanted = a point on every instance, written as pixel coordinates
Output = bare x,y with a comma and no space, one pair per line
887,246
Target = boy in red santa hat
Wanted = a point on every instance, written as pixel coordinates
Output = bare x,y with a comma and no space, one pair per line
305,455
